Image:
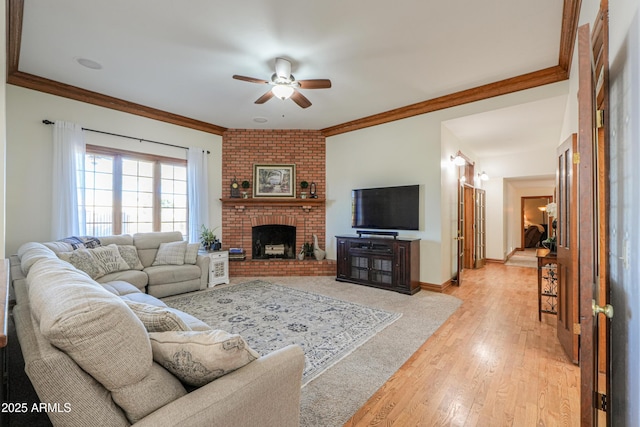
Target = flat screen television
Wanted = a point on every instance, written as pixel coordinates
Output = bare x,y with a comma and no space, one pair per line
386,208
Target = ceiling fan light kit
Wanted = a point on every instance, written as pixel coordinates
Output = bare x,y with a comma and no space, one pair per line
282,91
286,86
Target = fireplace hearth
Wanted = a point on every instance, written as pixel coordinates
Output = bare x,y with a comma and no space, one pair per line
273,241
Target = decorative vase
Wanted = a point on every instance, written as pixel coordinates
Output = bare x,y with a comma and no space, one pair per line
317,252
303,194
301,254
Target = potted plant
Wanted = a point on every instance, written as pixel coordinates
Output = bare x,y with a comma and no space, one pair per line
245,185
304,185
208,238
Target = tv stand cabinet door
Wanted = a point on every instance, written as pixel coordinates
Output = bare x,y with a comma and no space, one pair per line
407,266
342,259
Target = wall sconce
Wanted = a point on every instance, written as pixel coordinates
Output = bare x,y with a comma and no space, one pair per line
460,159
483,176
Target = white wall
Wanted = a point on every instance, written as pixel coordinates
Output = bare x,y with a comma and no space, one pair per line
624,226
414,151
29,152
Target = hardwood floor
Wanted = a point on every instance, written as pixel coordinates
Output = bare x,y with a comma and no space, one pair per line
491,364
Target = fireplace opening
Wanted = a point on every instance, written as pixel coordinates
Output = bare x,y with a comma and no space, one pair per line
273,241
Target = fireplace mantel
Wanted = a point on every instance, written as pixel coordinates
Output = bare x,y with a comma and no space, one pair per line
240,204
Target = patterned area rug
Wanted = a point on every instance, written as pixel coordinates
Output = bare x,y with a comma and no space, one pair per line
271,316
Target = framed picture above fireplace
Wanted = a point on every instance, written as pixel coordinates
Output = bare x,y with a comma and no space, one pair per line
274,180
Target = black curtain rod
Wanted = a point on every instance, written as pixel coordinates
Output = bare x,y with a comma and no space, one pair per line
49,122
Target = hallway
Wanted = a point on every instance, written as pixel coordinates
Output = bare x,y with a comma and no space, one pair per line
492,363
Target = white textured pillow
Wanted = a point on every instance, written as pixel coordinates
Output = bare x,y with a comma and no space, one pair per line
130,254
156,318
171,253
199,357
191,255
96,262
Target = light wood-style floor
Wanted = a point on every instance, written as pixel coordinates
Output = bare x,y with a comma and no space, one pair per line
491,364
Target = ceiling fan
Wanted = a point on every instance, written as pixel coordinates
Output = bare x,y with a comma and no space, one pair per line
285,85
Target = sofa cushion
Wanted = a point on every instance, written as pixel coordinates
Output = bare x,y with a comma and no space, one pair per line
156,318
163,274
120,288
31,252
130,254
198,357
191,255
117,239
137,278
170,253
96,262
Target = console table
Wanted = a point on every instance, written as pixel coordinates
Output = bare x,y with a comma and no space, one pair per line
547,276
387,263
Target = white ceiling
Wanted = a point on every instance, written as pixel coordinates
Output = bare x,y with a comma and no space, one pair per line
179,56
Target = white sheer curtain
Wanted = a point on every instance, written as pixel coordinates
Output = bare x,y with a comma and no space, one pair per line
198,191
67,217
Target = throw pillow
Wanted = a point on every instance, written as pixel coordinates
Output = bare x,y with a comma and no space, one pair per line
96,262
109,259
82,260
191,255
130,254
156,318
171,253
199,357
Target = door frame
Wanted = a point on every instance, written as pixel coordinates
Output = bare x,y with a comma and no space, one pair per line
522,203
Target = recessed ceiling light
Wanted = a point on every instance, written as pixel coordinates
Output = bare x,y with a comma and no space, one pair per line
260,119
89,63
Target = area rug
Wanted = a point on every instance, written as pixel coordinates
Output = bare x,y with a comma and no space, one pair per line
333,397
270,316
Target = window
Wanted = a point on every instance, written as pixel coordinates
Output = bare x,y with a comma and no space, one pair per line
128,192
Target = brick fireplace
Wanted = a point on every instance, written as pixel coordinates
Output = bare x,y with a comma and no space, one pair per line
241,149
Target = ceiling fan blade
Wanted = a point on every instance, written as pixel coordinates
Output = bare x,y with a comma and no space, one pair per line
264,98
300,99
315,84
283,68
249,79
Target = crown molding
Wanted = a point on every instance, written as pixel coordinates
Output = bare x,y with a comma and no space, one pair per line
503,87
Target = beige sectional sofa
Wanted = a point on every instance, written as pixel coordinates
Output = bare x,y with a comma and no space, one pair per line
158,280
89,349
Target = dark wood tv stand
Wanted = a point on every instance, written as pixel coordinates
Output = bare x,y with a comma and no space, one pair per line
382,262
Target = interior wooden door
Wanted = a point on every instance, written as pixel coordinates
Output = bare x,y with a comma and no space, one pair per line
594,312
600,49
469,221
460,234
567,248
480,252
